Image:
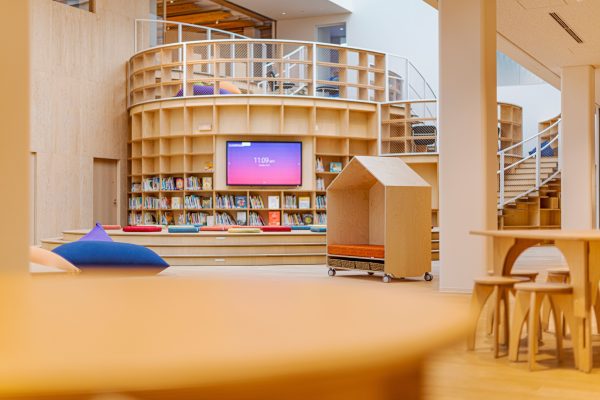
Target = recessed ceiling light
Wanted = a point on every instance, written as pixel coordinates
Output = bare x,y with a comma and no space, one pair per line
283,13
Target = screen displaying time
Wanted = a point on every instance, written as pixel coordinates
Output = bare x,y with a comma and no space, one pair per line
264,163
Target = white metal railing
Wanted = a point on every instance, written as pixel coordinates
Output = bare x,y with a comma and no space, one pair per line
197,54
152,32
538,151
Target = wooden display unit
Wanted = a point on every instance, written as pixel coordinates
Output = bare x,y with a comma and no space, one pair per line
510,125
177,156
409,127
381,201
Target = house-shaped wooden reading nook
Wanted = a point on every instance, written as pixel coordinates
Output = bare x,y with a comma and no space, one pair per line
379,219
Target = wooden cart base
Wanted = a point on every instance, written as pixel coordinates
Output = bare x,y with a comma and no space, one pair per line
369,265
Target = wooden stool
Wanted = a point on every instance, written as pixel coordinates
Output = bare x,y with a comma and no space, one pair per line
523,273
528,303
520,273
556,275
482,290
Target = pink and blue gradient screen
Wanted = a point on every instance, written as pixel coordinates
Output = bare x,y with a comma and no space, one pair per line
264,163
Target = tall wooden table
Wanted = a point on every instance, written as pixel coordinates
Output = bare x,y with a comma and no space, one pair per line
163,337
581,249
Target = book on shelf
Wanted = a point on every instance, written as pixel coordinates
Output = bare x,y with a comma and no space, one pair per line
135,203
240,202
274,218
319,165
136,187
322,218
198,218
273,202
210,220
225,201
178,183
151,184
207,183
321,201
254,219
241,218
308,219
167,218
290,201
164,203
256,202
222,218
134,219
176,203
193,183
335,166
149,218
303,202
320,184
151,203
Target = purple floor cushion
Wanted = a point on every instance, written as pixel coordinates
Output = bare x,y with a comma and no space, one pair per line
94,254
97,233
200,90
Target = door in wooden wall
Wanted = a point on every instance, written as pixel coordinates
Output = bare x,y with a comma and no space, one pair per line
33,199
105,191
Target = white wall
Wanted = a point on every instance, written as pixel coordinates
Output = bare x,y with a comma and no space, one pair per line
539,102
408,28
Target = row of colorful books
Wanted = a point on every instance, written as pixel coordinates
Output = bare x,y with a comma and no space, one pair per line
136,187
171,183
297,219
322,218
293,202
135,203
321,201
257,202
195,202
151,184
199,218
231,201
167,218
222,218
197,183
320,183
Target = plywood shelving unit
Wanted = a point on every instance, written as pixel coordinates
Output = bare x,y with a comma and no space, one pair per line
175,145
510,125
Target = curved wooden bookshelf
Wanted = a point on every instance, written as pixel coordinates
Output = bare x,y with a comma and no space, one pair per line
185,139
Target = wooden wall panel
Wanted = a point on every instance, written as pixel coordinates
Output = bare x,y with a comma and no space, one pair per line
79,109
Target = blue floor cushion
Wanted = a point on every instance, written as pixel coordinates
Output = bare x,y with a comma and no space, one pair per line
97,233
100,254
183,229
301,227
318,228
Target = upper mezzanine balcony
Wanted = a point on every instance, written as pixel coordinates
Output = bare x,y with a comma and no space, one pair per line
175,60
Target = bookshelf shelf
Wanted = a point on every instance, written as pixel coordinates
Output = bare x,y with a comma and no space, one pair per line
185,139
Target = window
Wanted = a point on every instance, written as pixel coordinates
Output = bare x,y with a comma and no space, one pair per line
335,34
87,5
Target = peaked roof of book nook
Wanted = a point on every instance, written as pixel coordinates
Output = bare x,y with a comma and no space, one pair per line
363,171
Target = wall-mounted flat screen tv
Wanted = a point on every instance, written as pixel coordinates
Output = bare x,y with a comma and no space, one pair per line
264,163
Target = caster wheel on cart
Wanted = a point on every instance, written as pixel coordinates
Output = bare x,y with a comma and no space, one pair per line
370,273
331,272
387,279
428,277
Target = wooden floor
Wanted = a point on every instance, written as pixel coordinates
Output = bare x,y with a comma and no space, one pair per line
456,373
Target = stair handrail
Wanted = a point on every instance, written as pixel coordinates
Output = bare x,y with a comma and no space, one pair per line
537,154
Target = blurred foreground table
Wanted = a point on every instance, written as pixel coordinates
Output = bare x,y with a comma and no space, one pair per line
165,337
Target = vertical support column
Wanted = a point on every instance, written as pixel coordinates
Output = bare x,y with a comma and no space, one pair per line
468,137
577,147
14,139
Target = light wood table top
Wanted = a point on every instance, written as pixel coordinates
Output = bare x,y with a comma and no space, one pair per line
543,234
214,337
